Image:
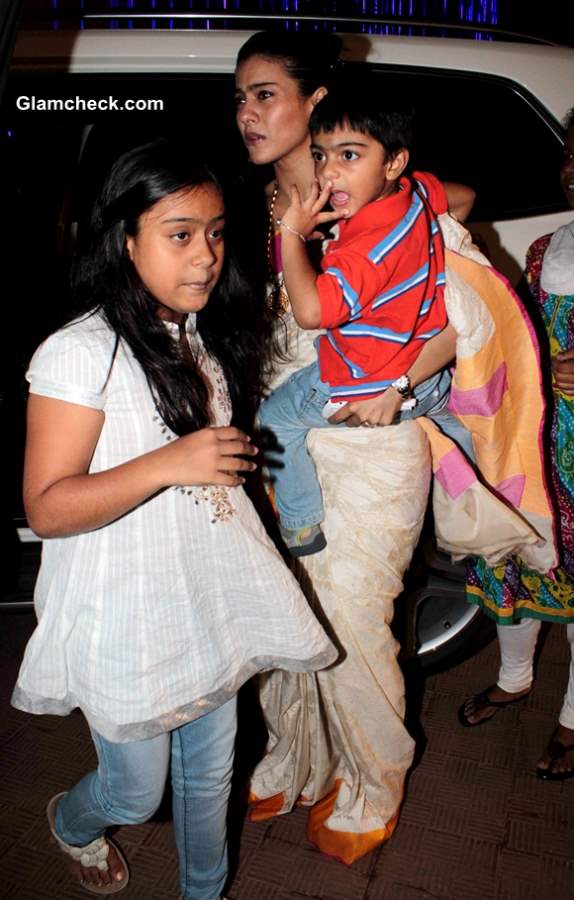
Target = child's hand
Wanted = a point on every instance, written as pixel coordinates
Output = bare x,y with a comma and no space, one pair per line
209,456
303,216
379,410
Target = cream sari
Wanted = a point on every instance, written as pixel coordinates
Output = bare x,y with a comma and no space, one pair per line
337,741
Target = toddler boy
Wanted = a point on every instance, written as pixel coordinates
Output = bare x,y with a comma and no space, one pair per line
380,298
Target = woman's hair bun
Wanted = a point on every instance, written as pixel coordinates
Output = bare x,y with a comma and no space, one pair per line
310,58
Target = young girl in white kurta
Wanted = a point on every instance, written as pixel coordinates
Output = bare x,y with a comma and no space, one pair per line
159,593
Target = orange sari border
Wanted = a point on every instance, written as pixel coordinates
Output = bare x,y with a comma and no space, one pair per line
345,846
267,808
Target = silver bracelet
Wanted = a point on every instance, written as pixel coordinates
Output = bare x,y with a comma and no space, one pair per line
281,224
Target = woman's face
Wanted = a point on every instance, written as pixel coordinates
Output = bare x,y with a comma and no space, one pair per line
272,115
567,170
178,250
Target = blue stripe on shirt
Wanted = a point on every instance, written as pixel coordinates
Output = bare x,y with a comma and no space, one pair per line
373,387
422,188
361,329
402,288
354,369
428,301
427,335
349,294
397,234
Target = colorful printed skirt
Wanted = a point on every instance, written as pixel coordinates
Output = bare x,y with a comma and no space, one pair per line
511,591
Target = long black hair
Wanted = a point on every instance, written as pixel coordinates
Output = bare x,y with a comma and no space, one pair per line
104,279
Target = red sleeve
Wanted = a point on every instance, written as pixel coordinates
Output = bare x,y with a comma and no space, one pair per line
438,199
349,283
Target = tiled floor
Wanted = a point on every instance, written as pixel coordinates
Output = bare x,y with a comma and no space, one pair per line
476,823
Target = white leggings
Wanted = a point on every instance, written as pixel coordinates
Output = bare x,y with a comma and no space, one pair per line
517,645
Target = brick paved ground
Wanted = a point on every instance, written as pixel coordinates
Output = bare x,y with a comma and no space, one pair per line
476,823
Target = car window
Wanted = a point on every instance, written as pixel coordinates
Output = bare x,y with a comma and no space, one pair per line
483,131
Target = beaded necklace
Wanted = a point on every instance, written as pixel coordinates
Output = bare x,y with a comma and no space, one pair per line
278,299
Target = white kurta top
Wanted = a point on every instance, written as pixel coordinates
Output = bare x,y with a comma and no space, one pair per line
160,616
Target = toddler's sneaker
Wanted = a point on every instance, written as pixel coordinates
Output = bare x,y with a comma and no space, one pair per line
303,541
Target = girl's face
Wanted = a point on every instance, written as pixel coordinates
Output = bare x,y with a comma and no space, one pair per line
178,250
272,115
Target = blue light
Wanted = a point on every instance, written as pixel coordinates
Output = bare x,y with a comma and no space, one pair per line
476,12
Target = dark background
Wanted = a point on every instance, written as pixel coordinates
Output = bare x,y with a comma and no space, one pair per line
551,20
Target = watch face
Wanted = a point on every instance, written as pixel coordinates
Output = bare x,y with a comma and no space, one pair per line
403,384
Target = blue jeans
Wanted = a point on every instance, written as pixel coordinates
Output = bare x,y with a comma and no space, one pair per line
128,785
296,406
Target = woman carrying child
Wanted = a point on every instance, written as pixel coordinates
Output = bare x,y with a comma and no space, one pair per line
337,740
159,592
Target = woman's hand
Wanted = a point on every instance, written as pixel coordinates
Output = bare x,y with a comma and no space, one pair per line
460,199
209,456
304,215
563,371
379,410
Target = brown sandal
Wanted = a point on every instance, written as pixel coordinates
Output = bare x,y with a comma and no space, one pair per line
482,701
93,855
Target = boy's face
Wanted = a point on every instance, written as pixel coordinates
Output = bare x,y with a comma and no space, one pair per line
357,166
